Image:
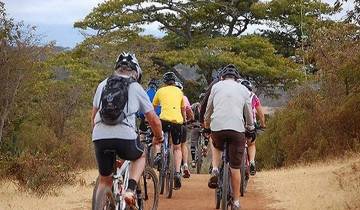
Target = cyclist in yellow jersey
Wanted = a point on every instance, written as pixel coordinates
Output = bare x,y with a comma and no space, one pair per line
172,116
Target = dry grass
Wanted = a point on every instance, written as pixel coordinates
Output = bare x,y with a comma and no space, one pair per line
73,197
331,185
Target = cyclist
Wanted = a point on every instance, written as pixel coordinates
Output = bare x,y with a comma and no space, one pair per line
152,88
195,129
171,100
257,111
122,137
227,105
184,147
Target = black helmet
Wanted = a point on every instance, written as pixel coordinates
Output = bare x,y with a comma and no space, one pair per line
129,60
153,83
230,70
169,77
247,84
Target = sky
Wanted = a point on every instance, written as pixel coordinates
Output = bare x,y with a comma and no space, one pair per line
55,18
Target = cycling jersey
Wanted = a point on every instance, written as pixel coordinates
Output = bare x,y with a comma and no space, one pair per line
170,98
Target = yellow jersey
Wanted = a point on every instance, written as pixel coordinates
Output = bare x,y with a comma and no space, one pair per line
170,98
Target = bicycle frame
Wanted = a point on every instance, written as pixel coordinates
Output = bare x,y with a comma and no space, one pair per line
120,184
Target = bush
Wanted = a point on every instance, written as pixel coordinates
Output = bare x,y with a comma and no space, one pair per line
310,127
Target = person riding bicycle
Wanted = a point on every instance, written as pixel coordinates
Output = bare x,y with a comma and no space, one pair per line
171,100
153,85
196,129
184,147
257,111
120,135
227,105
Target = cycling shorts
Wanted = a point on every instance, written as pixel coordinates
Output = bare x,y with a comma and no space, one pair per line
125,149
235,145
183,133
174,129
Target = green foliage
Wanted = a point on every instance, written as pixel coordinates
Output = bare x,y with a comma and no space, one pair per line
253,55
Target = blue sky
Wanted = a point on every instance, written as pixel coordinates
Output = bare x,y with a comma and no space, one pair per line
54,18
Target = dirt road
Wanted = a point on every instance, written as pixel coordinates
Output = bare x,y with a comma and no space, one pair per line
195,195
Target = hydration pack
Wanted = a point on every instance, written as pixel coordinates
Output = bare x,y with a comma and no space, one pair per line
113,99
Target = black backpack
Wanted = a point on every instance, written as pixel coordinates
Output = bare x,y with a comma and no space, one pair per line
113,99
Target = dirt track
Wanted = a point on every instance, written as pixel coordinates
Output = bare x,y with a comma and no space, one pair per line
196,195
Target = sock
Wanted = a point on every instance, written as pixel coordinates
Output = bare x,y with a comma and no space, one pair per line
185,164
132,184
237,203
215,169
252,161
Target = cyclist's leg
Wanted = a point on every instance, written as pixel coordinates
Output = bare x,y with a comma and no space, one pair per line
251,152
105,163
132,150
176,140
184,151
166,128
218,142
236,141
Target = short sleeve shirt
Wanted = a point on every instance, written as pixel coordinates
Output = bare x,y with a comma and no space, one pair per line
138,101
170,98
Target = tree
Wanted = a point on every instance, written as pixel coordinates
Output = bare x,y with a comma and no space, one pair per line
186,19
19,56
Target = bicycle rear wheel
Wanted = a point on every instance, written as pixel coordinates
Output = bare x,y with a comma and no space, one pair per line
169,178
199,157
105,200
225,187
94,194
243,169
148,199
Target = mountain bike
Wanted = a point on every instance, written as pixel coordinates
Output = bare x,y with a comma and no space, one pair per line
223,192
112,198
244,171
166,168
201,151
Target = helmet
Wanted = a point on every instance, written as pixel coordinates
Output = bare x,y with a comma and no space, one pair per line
129,60
230,70
179,85
168,77
153,83
247,84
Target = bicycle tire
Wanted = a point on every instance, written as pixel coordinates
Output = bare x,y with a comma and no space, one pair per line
162,172
149,202
94,194
225,187
105,200
217,198
243,182
170,174
199,158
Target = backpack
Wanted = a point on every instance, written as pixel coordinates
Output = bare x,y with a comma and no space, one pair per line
113,99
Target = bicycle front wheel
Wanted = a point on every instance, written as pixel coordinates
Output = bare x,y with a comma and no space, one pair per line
105,200
169,178
199,157
148,198
225,187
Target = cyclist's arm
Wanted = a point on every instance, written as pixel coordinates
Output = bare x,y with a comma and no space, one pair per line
155,124
249,120
183,109
209,110
261,115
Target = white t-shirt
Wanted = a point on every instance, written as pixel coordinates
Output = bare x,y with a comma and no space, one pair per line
138,101
228,104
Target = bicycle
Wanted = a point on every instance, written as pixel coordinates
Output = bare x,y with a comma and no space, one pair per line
166,168
200,153
244,171
112,198
223,192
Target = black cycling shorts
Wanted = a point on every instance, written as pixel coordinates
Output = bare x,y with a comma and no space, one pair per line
125,149
174,130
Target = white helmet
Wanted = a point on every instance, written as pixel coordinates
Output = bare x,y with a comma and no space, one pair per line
129,59
179,85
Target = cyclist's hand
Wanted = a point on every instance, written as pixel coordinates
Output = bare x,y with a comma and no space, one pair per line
250,134
206,132
158,139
